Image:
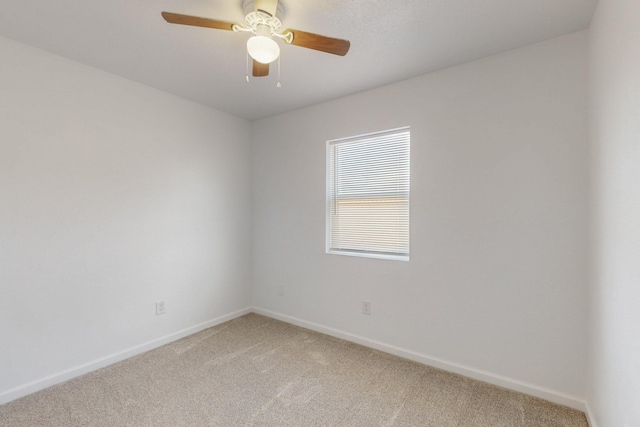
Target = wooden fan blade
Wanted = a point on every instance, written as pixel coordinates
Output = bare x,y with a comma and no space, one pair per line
196,21
260,69
269,6
318,42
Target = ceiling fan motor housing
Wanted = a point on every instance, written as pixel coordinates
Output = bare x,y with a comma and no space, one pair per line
249,6
254,20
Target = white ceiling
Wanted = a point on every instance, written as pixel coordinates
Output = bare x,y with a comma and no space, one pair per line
391,40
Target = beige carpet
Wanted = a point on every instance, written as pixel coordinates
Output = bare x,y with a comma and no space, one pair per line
256,371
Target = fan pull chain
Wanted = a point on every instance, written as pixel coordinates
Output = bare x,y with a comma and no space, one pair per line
247,63
279,84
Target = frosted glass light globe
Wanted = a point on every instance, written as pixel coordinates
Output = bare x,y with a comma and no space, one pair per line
263,49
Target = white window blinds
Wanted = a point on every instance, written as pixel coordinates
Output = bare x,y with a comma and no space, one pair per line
368,195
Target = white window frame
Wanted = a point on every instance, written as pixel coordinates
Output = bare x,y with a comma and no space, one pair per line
363,253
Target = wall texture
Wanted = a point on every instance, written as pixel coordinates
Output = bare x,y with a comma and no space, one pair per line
613,389
496,284
112,196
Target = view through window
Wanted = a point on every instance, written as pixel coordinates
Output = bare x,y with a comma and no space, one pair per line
368,195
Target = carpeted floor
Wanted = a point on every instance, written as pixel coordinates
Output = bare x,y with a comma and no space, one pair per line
256,371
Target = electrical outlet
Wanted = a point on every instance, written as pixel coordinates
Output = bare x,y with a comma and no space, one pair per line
281,289
366,308
159,308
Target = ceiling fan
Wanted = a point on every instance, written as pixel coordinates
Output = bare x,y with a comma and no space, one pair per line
262,19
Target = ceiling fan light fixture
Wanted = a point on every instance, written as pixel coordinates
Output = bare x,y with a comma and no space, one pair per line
263,20
263,49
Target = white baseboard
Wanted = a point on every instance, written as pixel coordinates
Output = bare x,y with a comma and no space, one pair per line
499,380
491,378
32,387
591,419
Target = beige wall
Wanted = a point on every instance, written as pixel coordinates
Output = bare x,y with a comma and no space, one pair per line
112,196
496,285
613,389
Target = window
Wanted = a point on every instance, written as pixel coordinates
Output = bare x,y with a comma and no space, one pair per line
368,195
